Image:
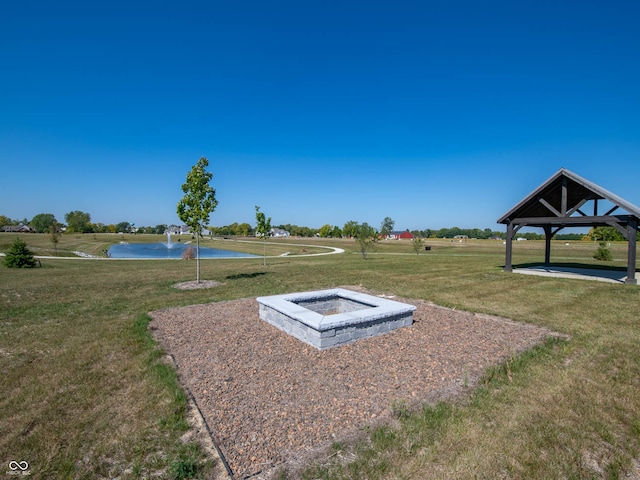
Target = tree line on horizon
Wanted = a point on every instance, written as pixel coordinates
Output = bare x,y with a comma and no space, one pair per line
80,222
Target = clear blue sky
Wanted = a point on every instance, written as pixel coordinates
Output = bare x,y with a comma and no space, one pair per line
434,113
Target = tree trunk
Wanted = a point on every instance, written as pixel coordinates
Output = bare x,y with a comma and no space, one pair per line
197,258
265,250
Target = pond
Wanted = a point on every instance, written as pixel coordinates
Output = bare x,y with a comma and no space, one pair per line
168,250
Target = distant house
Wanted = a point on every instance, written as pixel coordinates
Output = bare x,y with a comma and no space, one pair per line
406,235
279,232
178,230
18,229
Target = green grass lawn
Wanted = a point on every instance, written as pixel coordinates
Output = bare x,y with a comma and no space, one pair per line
84,392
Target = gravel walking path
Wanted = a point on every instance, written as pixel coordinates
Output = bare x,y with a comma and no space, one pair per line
270,398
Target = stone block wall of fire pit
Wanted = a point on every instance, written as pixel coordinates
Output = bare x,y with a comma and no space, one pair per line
330,318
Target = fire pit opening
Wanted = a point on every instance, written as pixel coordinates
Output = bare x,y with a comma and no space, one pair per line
332,305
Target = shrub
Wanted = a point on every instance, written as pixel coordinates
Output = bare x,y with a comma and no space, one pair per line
19,256
603,253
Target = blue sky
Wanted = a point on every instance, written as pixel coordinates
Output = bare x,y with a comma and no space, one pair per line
436,114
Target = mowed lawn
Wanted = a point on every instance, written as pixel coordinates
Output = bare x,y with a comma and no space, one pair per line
84,392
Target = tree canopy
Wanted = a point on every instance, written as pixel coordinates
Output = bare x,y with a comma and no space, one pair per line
386,226
78,222
42,222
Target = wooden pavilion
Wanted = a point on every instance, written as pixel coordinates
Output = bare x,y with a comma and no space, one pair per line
561,202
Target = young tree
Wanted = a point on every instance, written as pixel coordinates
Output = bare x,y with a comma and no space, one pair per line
54,235
366,236
417,243
198,203
386,227
603,252
263,227
19,256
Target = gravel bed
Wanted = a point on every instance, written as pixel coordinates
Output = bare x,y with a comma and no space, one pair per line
270,399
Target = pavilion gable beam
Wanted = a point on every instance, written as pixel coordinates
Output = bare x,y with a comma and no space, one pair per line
572,221
577,208
563,204
615,207
550,207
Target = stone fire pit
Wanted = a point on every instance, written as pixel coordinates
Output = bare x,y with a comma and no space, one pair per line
330,318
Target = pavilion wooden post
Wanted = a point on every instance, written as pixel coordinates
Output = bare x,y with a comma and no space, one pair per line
632,228
507,263
547,244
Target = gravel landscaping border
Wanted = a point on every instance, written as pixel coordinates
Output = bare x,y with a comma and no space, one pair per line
271,399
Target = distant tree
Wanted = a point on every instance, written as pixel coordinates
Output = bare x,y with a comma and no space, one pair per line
54,235
336,232
530,236
78,222
606,234
569,236
417,243
386,227
350,228
366,236
263,227
41,222
19,256
221,231
232,228
198,203
100,228
4,221
243,230
123,227
161,228
325,231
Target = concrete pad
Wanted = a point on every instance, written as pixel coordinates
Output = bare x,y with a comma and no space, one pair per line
611,276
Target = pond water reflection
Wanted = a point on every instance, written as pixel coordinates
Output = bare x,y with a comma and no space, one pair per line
168,250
